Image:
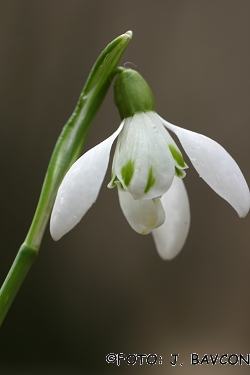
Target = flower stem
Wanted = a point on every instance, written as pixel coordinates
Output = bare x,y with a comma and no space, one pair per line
66,152
20,267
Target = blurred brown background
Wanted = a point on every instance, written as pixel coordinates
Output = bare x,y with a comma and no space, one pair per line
103,288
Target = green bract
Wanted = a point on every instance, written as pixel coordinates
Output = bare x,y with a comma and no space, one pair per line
132,94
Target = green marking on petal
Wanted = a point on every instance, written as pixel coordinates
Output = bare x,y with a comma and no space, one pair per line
177,156
180,173
121,187
127,172
113,182
151,180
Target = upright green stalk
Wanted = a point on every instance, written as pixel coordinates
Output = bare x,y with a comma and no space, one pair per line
67,150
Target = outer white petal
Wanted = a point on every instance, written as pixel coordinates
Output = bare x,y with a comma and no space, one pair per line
216,167
80,187
142,215
171,236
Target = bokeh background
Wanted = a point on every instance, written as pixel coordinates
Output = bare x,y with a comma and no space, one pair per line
103,288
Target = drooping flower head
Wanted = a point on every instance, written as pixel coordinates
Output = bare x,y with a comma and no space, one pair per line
146,157
148,168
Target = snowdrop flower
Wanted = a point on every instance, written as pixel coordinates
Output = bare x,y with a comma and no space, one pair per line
148,168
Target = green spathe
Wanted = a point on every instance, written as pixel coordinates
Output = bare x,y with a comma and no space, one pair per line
132,94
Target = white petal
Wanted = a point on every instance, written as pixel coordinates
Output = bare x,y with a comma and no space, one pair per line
144,164
113,182
216,167
80,187
142,215
174,149
171,236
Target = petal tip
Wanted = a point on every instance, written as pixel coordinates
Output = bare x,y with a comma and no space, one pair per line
55,230
129,34
243,212
170,238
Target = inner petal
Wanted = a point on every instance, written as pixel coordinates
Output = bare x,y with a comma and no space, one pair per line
142,215
174,149
144,166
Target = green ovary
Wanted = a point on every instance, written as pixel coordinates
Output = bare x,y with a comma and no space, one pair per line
151,181
127,172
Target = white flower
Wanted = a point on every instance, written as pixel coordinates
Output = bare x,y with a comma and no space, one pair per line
145,162
148,168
